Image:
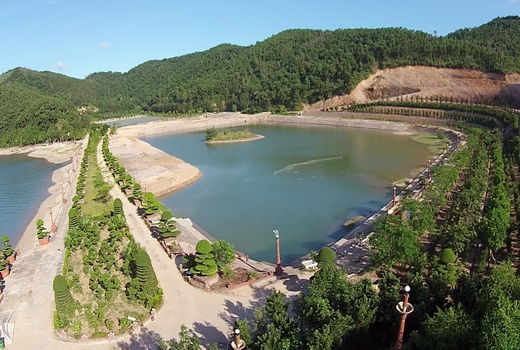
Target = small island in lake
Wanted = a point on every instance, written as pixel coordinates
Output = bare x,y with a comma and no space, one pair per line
226,136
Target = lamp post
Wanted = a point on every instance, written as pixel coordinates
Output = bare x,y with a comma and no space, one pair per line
278,270
404,308
54,228
394,198
63,199
429,168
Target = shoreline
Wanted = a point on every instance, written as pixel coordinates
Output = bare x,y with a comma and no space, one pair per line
55,153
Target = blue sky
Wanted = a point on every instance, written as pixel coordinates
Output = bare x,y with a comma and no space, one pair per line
79,37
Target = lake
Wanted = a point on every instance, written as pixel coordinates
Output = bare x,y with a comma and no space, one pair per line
304,181
24,184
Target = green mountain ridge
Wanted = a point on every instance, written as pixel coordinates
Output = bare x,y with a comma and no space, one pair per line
288,69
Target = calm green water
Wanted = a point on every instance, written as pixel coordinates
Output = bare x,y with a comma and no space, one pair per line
24,183
303,181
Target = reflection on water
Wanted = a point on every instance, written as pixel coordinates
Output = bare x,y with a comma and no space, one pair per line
304,181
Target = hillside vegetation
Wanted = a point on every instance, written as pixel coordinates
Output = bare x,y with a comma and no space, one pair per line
285,71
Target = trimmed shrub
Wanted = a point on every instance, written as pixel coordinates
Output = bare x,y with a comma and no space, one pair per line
73,219
41,232
206,264
447,256
203,247
118,207
326,256
144,269
62,297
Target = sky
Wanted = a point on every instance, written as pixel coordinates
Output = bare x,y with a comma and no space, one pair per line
80,37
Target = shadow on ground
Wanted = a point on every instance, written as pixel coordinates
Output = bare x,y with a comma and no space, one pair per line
144,340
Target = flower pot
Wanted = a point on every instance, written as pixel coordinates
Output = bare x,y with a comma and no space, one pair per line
5,272
11,258
43,241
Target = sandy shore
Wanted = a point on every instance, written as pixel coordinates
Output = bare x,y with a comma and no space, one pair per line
58,152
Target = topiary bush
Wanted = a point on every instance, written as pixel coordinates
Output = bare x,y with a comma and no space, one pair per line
203,247
73,219
144,270
41,232
447,256
167,227
137,193
206,264
326,256
62,297
118,207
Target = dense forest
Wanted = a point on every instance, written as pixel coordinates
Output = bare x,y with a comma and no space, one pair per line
282,72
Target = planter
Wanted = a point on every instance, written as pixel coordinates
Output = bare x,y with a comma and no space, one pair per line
5,272
43,241
11,258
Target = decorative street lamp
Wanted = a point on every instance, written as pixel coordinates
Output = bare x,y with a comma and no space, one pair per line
63,199
404,308
394,198
278,270
429,168
54,228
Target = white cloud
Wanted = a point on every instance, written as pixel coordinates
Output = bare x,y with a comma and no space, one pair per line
60,65
104,45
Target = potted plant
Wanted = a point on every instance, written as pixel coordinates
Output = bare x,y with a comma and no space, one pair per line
8,250
4,266
41,233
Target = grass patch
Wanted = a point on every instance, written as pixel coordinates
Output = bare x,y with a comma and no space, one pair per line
95,204
435,142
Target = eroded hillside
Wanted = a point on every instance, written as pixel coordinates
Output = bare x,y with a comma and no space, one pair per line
461,84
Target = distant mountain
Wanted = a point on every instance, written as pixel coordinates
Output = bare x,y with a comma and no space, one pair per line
283,72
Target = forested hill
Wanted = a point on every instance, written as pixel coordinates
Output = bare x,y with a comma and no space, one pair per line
283,71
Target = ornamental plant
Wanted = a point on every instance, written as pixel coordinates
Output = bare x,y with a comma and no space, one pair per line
167,227
205,262
326,256
62,297
41,232
7,248
73,219
118,207
144,270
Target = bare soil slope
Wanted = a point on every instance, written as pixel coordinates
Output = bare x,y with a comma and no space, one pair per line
429,81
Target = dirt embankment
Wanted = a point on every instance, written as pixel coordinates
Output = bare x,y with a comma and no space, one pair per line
461,84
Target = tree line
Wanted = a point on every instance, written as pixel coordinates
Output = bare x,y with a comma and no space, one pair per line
279,73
